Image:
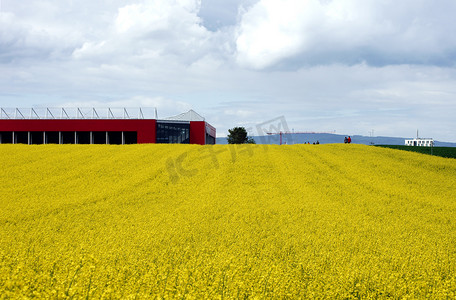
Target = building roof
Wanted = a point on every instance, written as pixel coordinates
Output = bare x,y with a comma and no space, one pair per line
191,115
420,139
92,113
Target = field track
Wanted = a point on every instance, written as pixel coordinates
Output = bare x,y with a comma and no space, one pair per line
246,221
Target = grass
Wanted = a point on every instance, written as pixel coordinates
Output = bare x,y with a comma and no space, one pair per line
448,152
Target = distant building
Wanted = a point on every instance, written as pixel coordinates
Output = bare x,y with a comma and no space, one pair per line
99,126
421,142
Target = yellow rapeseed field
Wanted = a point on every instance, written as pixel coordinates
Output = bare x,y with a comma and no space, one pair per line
246,221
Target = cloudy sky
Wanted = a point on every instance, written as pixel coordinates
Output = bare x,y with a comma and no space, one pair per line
352,66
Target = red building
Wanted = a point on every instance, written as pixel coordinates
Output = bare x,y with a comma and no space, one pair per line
187,128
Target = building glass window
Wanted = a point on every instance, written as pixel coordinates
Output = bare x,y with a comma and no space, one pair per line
173,133
210,140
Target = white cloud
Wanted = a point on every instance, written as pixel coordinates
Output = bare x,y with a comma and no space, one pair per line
165,107
392,100
148,31
348,65
158,15
272,30
90,49
347,31
105,32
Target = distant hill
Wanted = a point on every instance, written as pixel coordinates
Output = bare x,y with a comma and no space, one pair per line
328,138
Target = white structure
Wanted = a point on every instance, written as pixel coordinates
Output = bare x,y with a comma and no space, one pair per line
423,142
191,115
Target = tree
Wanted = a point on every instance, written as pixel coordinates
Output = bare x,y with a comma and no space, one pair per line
251,141
238,135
